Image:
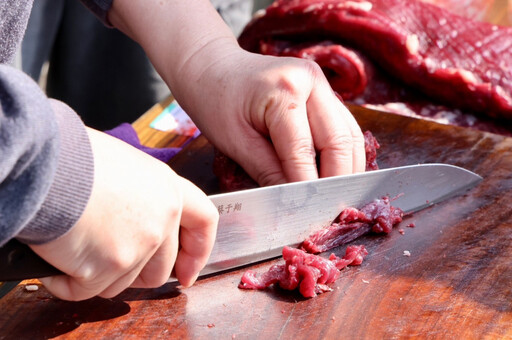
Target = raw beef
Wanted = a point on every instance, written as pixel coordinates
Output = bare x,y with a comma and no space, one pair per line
232,177
472,9
371,145
378,216
358,81
408,52
344,67
311,273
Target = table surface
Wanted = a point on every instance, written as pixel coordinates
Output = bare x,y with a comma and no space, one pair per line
455,284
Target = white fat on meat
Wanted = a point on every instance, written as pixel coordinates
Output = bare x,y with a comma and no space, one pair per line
259,13
412,44
361,5
312,7
503,94
469,77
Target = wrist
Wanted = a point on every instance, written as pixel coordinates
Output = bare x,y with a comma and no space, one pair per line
203,70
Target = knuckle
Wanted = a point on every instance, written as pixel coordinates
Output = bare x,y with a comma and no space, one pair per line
346,141
300,71
154,240
303,153
269,177
342,146
303,149
121,259
120,262
84,273
211,215
312,68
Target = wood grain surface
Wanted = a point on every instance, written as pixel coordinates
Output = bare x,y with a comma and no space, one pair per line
457,283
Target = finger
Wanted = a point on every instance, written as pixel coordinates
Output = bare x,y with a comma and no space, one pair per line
262,163
60,286
106,284
336,134
291,136
158,269
197,233
122,282
68,288
150,272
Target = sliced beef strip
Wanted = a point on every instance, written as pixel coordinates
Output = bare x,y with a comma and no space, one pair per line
378,216
311,273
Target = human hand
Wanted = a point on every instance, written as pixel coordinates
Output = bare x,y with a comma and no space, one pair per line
272,115
129,234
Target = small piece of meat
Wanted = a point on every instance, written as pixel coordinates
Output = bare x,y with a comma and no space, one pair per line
370,147
354,256
310,273
232,176
333,236
378,216
383,215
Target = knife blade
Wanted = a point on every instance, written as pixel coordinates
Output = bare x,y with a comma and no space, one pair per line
256,224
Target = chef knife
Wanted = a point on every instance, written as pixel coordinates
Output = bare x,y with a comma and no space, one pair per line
255,224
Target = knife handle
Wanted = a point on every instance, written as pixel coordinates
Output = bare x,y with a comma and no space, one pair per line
19,262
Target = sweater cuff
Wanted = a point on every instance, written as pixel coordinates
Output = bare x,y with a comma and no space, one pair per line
72,185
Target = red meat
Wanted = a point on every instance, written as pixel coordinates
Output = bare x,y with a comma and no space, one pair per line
446,58
344,67
378,216
310,273
232,177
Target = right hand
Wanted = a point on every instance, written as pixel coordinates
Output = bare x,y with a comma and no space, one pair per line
142,222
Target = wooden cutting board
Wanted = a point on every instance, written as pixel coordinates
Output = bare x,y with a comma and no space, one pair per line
457,282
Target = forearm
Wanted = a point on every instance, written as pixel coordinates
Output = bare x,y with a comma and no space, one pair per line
182,38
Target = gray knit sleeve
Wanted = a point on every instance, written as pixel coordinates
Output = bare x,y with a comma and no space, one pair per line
100,8
46,167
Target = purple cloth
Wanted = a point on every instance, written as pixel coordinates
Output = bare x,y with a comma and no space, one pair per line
126,133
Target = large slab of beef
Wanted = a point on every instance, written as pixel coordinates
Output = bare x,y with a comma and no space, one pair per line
391,52
311,273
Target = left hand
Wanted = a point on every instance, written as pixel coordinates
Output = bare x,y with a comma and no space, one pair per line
272,115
